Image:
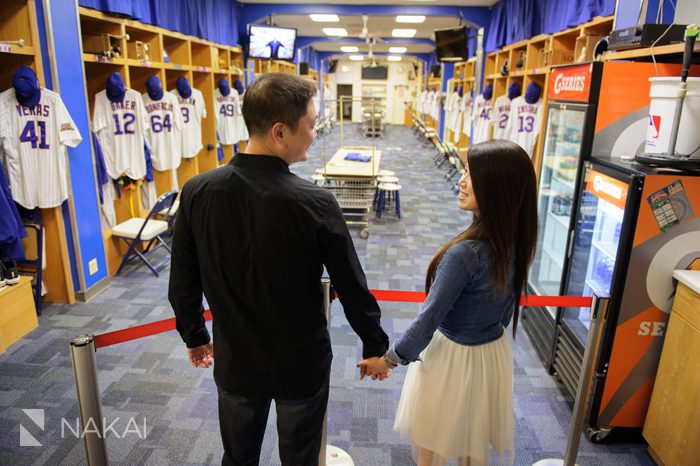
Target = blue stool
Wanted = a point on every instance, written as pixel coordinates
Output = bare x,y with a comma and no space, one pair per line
386,192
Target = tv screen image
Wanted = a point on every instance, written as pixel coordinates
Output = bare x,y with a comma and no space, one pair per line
451,44
271,42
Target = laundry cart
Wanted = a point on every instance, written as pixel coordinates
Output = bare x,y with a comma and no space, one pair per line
351,175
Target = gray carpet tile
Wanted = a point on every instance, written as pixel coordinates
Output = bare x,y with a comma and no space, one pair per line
150,378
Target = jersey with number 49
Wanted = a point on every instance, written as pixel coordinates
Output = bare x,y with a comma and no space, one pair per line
34,141
226,119
120,127
501,112
524,123
165,138
193,110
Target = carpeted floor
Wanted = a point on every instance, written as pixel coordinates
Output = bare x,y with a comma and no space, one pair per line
150,380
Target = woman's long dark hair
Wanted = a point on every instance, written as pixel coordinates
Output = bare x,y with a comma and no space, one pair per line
504,184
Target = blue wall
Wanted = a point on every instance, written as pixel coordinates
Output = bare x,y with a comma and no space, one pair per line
70,82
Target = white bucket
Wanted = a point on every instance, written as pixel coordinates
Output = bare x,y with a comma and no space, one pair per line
663,93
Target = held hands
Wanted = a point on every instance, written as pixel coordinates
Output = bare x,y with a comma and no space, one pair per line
375,367
201,356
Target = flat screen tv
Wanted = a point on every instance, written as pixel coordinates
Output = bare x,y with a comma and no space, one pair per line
451,44
375,72
271,42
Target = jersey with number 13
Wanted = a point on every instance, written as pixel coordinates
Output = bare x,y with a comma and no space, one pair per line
524,123
120,127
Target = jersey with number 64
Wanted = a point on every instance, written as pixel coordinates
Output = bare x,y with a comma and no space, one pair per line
34,140
226,120
193,110
120,127
524,123
165,138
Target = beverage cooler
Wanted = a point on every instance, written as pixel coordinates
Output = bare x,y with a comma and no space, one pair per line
601,223
634,226
570,120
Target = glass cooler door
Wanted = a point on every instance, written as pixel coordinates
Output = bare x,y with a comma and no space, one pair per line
560,160
595,247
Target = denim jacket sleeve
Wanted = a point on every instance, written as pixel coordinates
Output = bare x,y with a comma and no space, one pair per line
457,267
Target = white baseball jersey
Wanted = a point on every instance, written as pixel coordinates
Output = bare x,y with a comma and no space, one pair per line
466,111
482,119
193,110
451,110
120,127
165,137
226,122
501,112
435,108
524,123
34,143
241,128
420,103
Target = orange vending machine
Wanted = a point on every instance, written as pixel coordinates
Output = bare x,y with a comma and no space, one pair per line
634,225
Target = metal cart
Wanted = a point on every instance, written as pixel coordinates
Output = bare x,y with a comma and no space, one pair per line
355,197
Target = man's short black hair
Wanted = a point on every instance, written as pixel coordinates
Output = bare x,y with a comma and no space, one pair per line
276,97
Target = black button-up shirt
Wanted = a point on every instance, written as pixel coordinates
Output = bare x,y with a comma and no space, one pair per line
254,238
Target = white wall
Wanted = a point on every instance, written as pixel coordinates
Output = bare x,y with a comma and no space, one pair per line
398,88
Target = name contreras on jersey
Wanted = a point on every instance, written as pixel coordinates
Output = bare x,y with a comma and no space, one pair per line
569,83
37,110
529,108
124,105
155,106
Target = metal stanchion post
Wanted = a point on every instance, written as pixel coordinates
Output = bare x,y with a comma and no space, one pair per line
82,352
599,315
330,455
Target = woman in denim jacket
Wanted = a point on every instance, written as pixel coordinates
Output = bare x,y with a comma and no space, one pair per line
457,398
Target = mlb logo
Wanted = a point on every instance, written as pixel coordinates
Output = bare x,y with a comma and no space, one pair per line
655,124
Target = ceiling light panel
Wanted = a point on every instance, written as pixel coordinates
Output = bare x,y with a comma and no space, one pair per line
410,19
394,58
356,57
324,18
402,32
336,32
397,49
349,49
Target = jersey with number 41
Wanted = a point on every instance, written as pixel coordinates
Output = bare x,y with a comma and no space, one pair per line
226,117
193,110
524,123
120,127
34,140
165,138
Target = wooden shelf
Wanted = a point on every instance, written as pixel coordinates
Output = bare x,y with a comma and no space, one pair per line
17,50
202,62
647,53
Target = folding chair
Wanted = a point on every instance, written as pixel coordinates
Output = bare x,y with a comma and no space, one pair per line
141,230
168,214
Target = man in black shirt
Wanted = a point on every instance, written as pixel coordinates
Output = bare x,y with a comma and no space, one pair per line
254,238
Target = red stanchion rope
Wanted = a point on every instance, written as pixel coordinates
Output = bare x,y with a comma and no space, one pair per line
166,325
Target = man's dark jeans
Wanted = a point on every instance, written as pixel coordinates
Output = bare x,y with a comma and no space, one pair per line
299,427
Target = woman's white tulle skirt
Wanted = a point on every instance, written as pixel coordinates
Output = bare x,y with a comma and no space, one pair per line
458,401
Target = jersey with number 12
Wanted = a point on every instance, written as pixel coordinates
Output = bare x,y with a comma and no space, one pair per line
226,119
524,123
34,141
193,110
120,127
165,138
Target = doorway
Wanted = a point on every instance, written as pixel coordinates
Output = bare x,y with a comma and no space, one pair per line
345,107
